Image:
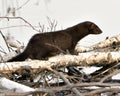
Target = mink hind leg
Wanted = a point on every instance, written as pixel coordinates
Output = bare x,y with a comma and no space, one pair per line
39,54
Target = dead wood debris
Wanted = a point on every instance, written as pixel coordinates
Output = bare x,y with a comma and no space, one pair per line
51,78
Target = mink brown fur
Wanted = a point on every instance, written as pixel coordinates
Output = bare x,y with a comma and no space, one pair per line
44,45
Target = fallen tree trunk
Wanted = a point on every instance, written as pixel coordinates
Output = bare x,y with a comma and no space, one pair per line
83,59
109,42
14,86
113,41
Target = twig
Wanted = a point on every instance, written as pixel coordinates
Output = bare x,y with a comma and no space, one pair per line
14,11
22,5
102,90
67,82
110,75
42,28
2,50
98,84
52,24
67,87
5,40
1,58
106,70
23,20
2,28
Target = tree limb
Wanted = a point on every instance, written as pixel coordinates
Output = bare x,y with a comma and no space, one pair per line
109,42
84,59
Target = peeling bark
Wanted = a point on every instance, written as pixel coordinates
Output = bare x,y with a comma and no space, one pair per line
113,41
83,59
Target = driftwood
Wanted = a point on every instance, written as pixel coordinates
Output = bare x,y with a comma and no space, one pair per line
15,87
84,59
91,57
11,54
108,42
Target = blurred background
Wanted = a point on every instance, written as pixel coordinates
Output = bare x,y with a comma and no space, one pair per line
64,13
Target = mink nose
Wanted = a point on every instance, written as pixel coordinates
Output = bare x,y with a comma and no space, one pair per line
99,32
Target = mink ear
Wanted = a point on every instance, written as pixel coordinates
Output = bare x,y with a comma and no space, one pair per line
92,26
88,24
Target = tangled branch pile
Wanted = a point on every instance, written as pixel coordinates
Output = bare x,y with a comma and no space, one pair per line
50,77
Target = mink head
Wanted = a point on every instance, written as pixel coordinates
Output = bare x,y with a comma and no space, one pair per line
93,28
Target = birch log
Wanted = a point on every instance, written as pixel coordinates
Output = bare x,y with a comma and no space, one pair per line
83,59
11,54
103,44
14,86
106,43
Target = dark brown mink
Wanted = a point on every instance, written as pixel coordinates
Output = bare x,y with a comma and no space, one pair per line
44,45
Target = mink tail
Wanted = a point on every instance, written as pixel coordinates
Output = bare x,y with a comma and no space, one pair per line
20,57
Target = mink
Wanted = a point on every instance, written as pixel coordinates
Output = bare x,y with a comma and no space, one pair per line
44,45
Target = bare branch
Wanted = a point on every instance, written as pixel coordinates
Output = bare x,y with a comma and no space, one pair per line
22,5
103,90
2,28
110,75
85,59
108,43
13,10
23,20
5,40
52,24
